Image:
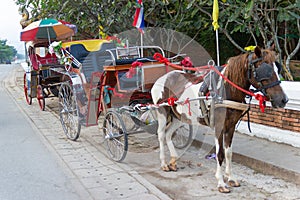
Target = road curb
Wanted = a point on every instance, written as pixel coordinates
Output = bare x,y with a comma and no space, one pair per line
267,168
256,164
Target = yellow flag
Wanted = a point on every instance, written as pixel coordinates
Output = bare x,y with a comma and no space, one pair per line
250,48
102,34
215,15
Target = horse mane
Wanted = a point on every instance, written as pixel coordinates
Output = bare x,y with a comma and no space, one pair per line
236,69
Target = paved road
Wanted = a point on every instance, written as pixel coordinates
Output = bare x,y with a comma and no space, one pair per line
28,169
139,176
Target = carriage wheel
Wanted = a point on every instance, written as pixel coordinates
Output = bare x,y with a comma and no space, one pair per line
26,87
68,111
115,136
182,137
40,97
54,90
127,120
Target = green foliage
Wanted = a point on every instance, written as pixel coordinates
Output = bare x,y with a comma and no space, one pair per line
6,52
296,78
247,22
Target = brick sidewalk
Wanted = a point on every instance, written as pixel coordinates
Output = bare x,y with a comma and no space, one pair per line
100,178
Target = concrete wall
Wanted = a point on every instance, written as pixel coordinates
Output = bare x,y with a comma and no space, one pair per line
287,118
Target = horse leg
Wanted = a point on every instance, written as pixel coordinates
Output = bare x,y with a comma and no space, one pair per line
232,181
222,187
175,124
162,121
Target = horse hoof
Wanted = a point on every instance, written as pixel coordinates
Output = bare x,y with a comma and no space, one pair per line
172,167
165,168
223,189
233,183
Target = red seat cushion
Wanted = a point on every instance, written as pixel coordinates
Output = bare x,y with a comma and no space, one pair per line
34,62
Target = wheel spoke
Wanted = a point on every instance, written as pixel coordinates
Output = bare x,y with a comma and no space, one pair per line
26,88
115,136
40,97
182,137
69,111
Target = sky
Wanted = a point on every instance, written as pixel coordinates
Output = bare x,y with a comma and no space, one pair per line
10,27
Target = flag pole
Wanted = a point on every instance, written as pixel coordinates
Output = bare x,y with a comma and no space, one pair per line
139,23
217,46
142,44
215,16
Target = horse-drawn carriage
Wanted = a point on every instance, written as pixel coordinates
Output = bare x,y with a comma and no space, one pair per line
90,77
100,77
40,81
129,83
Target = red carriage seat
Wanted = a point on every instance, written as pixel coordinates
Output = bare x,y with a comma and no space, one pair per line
33,58
34,61
48,59
37,61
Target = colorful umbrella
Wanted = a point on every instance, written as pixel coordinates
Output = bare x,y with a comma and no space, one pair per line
48,29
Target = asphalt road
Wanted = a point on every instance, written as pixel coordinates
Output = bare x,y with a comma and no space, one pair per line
28,169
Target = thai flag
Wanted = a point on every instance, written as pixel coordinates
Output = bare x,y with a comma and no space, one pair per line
138,21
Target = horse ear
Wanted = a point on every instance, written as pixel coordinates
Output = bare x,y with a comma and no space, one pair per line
257,51
272,47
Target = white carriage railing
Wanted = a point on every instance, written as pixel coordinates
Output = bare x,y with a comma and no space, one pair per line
127,52
73,60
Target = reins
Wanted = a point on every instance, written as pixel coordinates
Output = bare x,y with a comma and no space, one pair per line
171,101
261,98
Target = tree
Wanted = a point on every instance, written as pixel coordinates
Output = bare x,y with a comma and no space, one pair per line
264,23
242,22
6,52
89,15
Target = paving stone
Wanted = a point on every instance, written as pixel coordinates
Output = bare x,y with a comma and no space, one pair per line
101,193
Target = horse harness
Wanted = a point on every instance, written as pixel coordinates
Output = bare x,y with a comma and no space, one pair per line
211,85
261,73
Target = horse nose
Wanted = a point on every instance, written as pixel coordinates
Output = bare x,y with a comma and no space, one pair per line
279,101
285,100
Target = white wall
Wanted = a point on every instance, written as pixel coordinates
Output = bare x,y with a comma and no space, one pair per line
292,90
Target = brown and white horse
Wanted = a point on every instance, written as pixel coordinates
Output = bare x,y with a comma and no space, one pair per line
256,69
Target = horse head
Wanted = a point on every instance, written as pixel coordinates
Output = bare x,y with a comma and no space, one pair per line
262,76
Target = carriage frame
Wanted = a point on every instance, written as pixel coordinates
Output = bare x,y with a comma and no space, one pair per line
95,89
39,80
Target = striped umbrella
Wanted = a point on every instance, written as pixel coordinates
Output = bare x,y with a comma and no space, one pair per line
48,29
